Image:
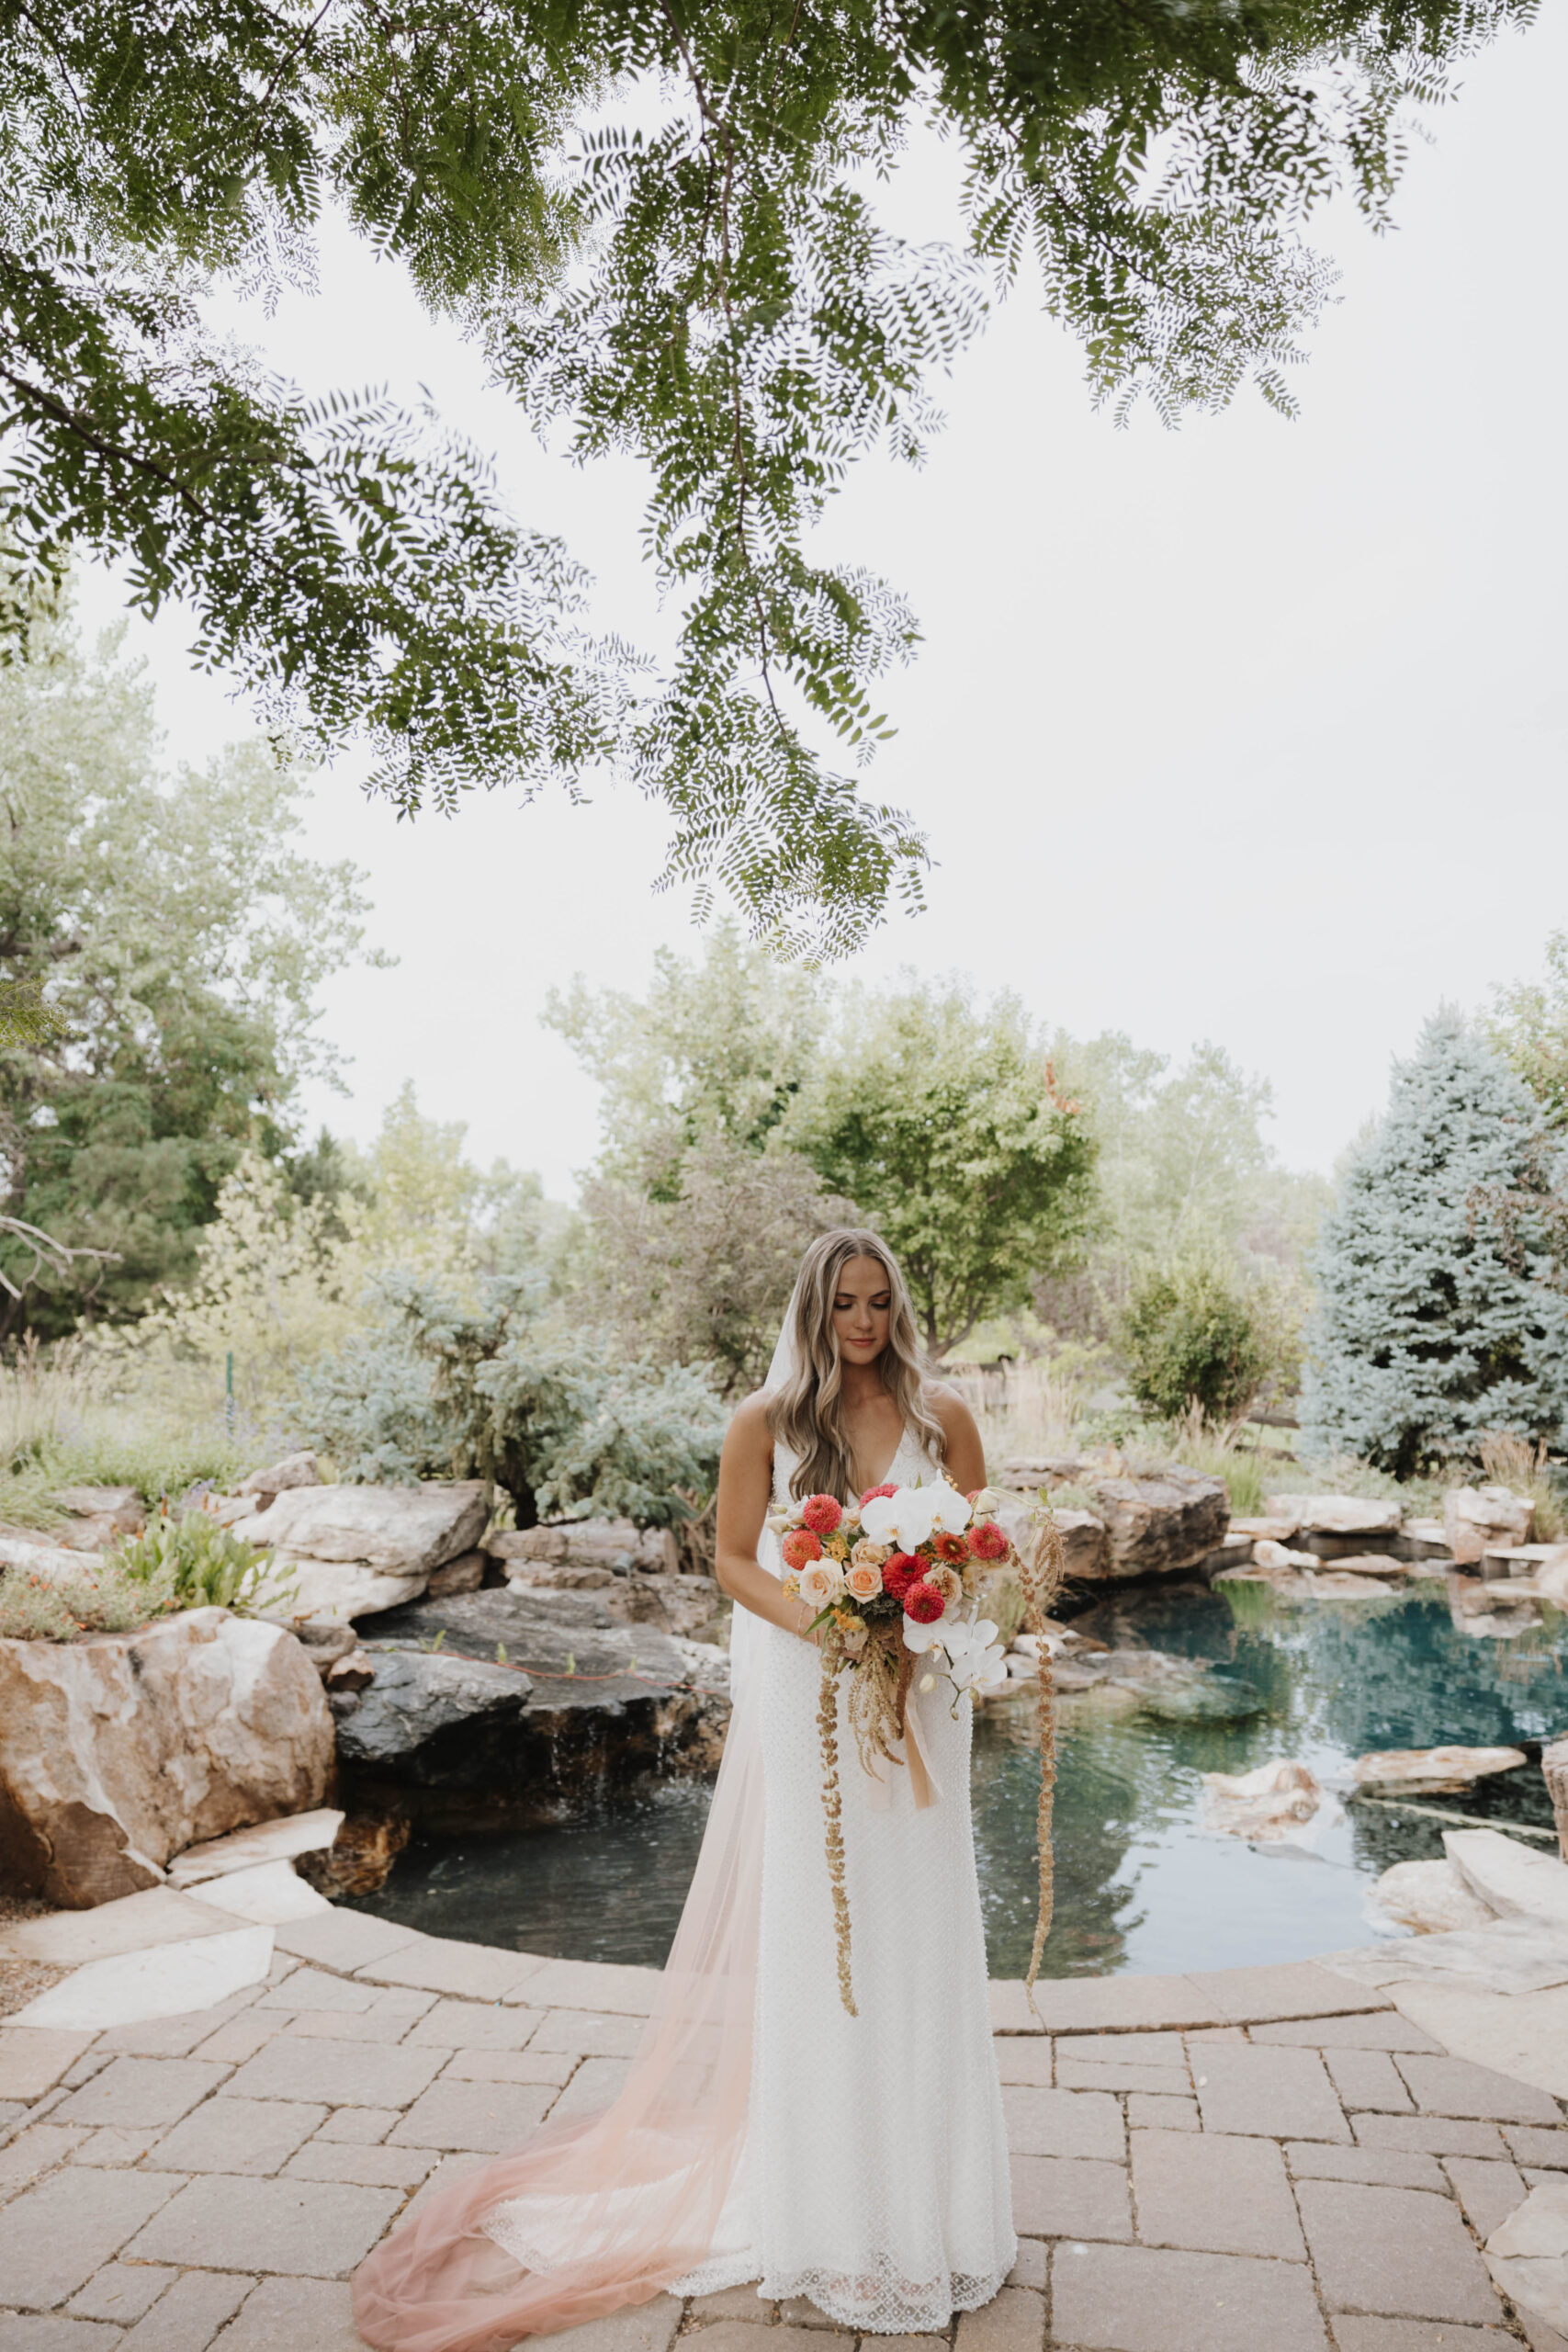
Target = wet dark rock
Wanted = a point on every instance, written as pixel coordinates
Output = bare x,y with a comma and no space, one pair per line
435,1718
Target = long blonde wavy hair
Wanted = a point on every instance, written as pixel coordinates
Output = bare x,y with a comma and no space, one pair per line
805,1413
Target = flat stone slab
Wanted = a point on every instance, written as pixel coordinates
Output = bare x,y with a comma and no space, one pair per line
239,2135
488,2117
1070,2196
1458,2086
287,2314
1524,2036
58,2235
472,1971
348,1940
1279,2093
1395,2251
1520,1882
1369,2078
341,2074
171,1980
588,1985
1147,2299
1487,2191
1376,2030
1352,2334
1385,2167
1214,2194
271,1893
1063,2123
266,1841
315,2228
142,2092
33,2058
159,1915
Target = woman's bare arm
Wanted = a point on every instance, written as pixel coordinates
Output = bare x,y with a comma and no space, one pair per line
965,1460
745,1492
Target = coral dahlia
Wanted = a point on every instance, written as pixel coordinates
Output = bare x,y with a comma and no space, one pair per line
821,1514
986,1541
800,1548
899,1573
923,1603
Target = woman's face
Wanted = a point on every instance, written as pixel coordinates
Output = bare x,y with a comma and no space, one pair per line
862,1309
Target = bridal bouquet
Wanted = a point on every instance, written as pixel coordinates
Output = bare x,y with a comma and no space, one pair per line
892,1578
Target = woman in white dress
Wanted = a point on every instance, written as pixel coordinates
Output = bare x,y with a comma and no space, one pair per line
765,2133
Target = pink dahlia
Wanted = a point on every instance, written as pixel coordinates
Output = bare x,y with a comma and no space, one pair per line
821,1513
923,1603
986,1541
899,1573
872,1492
800,1548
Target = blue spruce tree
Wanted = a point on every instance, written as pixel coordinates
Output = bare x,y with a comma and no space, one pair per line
1432,1324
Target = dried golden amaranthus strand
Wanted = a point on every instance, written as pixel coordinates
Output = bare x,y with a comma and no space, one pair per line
832,1810
1044,1571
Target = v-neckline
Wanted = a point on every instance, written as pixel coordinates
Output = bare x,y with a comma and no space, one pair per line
891,1467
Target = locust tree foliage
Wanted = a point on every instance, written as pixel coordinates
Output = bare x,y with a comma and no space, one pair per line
653,217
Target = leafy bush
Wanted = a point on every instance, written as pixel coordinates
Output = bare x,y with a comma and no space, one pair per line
1192,1342
202,1565
443,1391
98,1600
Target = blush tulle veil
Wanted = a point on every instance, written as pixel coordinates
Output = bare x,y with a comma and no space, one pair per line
612,2208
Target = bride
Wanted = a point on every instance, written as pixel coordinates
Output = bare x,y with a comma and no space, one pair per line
765,2133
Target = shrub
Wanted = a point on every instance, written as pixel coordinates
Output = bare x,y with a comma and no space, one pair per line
97,1600
1191,1344
202,1565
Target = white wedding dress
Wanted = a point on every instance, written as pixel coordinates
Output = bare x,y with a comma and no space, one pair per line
875,2179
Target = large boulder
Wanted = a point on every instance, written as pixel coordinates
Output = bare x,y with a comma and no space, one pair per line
120,1750
1159,1525
1334,1514
353,1549
1481,1519
97,1515
569,1702
1432,1771
614,1544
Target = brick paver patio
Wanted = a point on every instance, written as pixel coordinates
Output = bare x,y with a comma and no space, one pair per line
1253,2160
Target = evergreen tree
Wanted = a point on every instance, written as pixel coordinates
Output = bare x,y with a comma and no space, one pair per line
1434,1324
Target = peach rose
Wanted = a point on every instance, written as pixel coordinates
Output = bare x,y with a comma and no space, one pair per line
821,1581
948,1582
867,1554
863,1578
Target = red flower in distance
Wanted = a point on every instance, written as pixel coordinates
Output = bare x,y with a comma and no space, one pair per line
922,1602
872,1492
899,1573
821,1514
800,1548
986,1541
951,1548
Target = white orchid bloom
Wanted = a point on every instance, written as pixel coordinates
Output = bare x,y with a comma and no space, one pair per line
949,1509
903,1518
920,1638
969,1634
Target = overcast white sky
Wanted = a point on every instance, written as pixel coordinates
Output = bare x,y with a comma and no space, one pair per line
1253,732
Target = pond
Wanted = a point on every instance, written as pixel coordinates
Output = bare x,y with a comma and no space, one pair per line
1139,1884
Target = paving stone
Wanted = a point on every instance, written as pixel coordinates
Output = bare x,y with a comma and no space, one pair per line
1147,2299
1435,2135
1070,2196
312,1988
251,2136
1216,2034
319,2229
1063,2123
1397,2251
188,2317
176,2037
1386,2168
451,2168
58,2235
1118,2049
239,2040
598,2083
1030,2268
487,2116
342,1940
84,2070
1297,1989
1088,2074
28,2332
1013,2320
1024,2058
1280,2093
466,2025
732,2302
340,2073
1125,2005
1383,2030
511,2067
909,2343
1213,2194
11,2112
1010,2011
1487,2191
1539,2337
651,2327
582,2035
1531,2146
342,2025
1369,2078
375,2167
121,2291
439,1964
289,2314
588,1985
33,2058
115,2144
35,2151
1454,2086
1417,2335
362,2125
140,2091
1152,2111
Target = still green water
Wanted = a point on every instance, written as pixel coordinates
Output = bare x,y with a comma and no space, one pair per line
1139,1884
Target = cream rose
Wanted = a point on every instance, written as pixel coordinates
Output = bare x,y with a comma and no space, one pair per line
821,1582
948,1582
863,1578
867,1554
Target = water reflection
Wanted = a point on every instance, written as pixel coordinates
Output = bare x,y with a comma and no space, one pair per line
1139,1886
